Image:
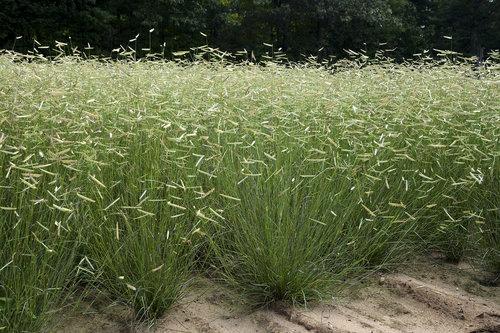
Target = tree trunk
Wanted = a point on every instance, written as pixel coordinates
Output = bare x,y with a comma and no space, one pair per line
320,33
474,41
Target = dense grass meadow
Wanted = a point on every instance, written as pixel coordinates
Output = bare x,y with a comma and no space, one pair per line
285,181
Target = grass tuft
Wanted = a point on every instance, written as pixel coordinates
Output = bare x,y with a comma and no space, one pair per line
285,180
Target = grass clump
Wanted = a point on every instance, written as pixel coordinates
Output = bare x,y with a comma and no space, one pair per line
283,180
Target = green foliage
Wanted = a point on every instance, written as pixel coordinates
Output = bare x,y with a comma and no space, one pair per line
319,27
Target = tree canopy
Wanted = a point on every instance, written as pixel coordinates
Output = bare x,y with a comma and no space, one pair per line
297,27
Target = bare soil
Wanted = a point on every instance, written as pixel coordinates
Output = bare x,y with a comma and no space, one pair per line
429,296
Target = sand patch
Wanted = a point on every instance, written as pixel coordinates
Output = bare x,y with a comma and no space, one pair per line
429,296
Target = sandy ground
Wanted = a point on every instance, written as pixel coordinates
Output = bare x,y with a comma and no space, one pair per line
431,296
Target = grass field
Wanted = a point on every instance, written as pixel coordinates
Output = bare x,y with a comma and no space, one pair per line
286,181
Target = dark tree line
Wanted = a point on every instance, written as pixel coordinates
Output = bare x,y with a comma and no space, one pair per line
296,26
